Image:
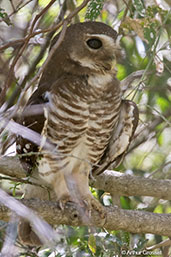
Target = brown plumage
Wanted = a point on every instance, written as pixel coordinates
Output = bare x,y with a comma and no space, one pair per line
86,118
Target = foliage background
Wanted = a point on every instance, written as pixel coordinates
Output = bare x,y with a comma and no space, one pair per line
144,33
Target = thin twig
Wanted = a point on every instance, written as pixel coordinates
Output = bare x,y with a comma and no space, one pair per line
144,135
64,23
53,28
42,12
12,4
18,7
23,181
20,52
32,69
27,38
164,243
126,83
59,41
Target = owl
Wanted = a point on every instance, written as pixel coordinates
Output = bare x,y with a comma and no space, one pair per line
86,119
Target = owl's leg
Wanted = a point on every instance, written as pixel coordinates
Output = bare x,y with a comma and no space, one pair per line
62,192
93,204
79,187
74,187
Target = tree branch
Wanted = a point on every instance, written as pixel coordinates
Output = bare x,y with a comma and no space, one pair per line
109,181
55,28
44,230
26,133
116,219
10,166
122,184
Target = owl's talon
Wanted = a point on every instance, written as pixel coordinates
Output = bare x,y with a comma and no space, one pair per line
61,206
63,201
93,204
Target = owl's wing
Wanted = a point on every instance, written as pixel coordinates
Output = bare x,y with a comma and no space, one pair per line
36,123
121,137
27,155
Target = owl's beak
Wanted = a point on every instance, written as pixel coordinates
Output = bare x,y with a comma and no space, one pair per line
108,66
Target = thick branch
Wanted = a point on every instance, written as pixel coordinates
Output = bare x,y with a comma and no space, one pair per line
122,184
10,166
109,181
116,219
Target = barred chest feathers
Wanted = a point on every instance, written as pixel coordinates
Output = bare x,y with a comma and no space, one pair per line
80,120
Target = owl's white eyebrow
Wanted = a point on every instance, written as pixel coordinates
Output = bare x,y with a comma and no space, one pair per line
109,40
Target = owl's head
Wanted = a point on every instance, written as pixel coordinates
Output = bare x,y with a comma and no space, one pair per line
89,46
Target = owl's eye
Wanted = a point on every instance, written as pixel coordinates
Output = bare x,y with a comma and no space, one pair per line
94,43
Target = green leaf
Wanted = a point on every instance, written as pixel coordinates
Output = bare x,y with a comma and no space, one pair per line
160,139
14,187
125,202
92,243
125,238
158,209
94,9
163,103
121,14
121,71
138,4
150,35
4,16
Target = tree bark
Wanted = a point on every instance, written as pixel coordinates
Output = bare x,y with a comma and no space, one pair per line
116,219
109,181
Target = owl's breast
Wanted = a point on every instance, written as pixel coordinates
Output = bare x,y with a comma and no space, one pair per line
80,125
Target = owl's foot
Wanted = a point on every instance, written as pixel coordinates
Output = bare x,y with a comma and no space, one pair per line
85,205
64,200
93,204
